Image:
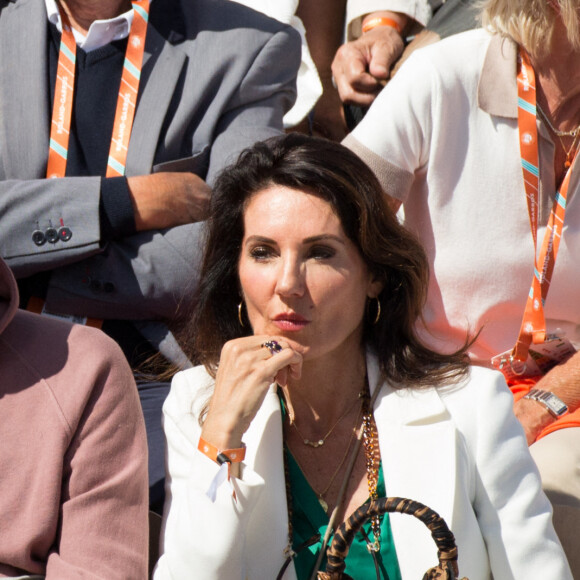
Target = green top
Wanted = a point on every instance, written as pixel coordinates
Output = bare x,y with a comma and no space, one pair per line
309,518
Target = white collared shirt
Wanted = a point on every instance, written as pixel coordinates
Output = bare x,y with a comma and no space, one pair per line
101,32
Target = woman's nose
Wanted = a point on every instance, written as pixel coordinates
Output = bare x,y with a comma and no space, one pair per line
290,278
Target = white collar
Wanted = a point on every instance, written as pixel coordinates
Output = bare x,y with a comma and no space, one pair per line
101,32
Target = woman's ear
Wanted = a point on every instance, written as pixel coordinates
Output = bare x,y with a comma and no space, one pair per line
375,288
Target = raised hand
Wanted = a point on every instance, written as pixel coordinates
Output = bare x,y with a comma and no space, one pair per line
247,368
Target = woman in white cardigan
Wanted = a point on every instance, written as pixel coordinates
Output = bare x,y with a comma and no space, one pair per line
304,326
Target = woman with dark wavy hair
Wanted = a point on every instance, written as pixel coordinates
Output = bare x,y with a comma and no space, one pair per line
304,328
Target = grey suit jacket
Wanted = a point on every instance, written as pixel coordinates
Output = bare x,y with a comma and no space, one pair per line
216,77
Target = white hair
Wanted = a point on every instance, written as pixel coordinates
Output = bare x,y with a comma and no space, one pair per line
530,23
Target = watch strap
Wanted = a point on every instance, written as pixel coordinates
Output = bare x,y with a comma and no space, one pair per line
555,406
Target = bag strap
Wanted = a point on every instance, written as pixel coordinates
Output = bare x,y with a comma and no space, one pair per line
447,568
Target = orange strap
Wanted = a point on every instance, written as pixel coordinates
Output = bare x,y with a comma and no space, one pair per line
126,101
380,21
63,101
533,327
223,456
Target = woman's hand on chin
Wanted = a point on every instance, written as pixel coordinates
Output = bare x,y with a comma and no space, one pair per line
248,366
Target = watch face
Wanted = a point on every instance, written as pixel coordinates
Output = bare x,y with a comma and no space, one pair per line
556,405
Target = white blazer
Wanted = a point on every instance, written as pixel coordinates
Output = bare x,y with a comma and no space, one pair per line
461,451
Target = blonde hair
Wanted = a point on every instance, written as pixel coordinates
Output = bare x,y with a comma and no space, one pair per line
530,23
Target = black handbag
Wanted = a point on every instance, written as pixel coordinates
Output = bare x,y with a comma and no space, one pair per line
447,568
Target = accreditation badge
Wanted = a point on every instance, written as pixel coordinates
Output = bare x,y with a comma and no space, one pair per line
542,357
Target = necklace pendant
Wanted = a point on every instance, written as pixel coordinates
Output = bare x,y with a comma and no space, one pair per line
314,444
322,503
567,164
373,546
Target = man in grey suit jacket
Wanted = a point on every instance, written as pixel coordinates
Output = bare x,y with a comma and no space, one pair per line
216,77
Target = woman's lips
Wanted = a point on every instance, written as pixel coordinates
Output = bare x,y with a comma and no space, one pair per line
290,322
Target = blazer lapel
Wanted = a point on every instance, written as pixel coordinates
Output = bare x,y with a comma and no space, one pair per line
417,440
24,110
264,453
162,65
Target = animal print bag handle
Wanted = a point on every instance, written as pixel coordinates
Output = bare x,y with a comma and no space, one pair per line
442,535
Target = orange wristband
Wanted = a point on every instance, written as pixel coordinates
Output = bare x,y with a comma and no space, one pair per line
223,456
381,21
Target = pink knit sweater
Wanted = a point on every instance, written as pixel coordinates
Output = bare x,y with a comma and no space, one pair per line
73,453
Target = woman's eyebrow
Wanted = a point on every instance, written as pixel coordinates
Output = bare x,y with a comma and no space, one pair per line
262,239
308,240
323,237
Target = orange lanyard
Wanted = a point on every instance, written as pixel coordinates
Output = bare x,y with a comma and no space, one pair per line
126,101
533,328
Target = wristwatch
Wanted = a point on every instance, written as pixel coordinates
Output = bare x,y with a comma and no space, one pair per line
556,407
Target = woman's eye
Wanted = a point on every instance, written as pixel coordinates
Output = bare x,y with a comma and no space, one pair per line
261,252
321,252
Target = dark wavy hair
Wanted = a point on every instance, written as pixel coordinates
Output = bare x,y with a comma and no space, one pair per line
392,254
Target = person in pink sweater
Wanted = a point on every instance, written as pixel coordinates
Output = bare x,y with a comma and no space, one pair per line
73,490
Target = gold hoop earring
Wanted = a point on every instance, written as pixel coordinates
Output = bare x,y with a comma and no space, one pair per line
240,313
378,311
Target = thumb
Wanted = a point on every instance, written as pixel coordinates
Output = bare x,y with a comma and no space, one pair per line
384,53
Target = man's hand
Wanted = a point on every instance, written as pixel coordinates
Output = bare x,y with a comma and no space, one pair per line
165,200
361,67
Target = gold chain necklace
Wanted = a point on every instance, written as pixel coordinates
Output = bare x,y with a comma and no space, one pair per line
575,133
320,494
571,150
373,458
572,133
321,441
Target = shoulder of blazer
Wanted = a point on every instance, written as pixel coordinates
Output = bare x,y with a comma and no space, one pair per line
190,391
455,402
180,21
